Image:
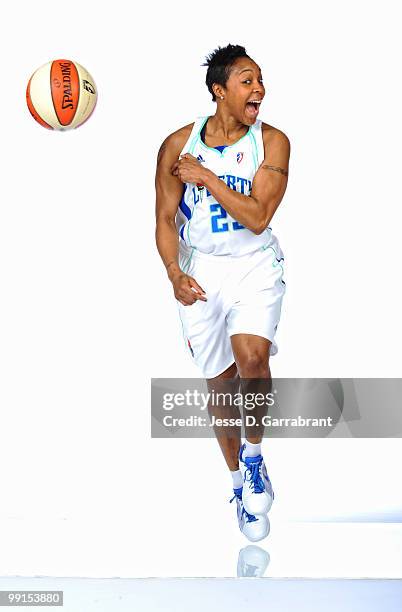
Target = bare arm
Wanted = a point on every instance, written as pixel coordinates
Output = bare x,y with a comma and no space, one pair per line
269,185
168,194
169,190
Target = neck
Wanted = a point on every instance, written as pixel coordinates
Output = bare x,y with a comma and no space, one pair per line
223,124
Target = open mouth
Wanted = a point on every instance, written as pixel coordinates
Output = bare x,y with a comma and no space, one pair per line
253,107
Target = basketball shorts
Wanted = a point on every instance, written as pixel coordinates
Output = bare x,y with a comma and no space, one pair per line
244,296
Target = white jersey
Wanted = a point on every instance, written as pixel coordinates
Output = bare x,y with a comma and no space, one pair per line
203,224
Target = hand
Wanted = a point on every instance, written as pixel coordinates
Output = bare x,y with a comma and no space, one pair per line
186,289
188,169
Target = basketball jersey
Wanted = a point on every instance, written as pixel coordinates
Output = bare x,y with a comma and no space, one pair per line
202,222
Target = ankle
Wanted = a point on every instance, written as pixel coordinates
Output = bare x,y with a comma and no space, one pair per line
251,449
237,479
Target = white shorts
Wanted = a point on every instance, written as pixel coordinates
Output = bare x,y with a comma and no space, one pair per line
244,296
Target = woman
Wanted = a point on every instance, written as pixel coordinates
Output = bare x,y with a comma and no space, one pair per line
219,182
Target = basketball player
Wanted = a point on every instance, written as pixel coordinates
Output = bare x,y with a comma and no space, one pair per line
219,182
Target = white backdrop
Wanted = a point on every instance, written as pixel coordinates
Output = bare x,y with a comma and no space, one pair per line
87,315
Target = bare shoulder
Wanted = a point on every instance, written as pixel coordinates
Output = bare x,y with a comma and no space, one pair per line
173,144
276,148
273,137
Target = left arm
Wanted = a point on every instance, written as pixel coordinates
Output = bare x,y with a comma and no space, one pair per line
269,185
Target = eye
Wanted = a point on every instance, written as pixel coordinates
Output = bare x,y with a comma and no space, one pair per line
247,81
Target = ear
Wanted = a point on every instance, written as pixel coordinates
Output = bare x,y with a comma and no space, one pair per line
218,90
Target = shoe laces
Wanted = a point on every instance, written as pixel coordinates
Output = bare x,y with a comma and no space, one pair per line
250,518
253,476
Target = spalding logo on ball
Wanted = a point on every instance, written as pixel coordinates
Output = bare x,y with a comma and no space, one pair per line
61,95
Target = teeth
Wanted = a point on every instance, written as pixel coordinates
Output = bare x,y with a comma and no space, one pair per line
254,102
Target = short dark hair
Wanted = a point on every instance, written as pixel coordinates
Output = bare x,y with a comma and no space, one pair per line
219,63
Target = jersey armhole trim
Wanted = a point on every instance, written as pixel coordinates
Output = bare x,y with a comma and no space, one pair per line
254,150
203,121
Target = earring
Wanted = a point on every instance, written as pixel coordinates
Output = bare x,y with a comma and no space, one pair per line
222,98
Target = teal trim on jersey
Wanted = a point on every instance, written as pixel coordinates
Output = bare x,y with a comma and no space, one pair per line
270,229
182,329
194,141
268,246
276,262
255,150
220,153
186,266
188,228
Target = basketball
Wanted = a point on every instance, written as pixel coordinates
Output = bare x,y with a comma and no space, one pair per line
61,95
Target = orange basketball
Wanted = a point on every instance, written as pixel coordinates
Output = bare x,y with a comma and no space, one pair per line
61,95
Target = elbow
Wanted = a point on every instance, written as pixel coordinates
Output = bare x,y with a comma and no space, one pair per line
260,227
262,218
164,220
164,225
258,230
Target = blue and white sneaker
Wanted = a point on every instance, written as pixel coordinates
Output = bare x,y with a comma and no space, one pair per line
255,528
257,488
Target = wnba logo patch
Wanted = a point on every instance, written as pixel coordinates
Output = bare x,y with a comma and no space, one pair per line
239,157
190,347
87,85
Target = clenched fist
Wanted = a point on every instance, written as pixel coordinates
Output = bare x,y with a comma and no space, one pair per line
188,169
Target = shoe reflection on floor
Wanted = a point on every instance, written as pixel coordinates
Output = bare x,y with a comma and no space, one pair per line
252,562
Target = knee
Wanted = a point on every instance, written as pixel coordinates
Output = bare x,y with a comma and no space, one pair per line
254,364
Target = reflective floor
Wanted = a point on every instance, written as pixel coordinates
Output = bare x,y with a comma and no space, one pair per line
337,514
114,549
215,595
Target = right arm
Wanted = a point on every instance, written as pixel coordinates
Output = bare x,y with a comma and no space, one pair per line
169,190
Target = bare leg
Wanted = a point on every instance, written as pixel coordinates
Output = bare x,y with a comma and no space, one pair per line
252,360
228,437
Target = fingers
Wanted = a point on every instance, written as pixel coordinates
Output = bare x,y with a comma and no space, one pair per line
183,161
186,301
185,295
197,288
189,296
177,169
189,292
177,165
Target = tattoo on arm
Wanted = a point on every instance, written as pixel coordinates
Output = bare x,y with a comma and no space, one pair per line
161,152
281,170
